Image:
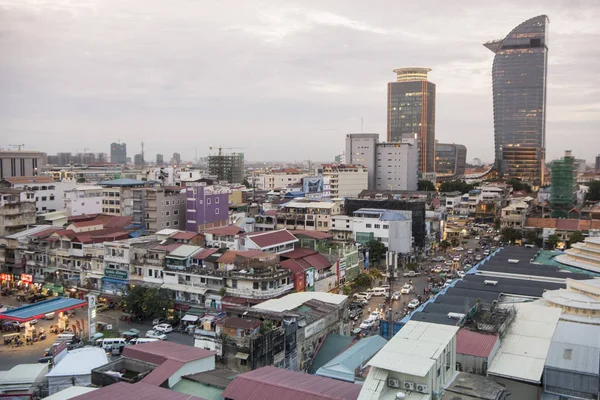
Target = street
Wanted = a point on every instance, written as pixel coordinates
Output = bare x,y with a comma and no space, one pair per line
11,356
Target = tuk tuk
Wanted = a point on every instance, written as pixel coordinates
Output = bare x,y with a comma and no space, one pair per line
10,337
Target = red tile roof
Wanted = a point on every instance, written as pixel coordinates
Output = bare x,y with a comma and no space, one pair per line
160,351
46,232
184,235
83,224
270,383
270,212
14,180
230,230
475,343
298,253
205,253
118,221
241,323
567,224
163,372
540,222
228,257
317,261
136,391
273,238
312,234
296,266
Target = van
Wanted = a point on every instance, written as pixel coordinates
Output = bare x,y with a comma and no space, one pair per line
142,340
64,337
110,343
381,291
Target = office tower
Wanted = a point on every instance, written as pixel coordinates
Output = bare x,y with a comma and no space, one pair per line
138,160
598,163
563,187
176,160
64,158
390,166
20,163
519,87
450,159
160,159
227,167
118,153
411,113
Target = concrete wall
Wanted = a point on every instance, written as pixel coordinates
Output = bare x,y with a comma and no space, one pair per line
361,149
518,390
193,367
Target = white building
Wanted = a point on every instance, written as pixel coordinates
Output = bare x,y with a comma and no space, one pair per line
75,369
391,166
391,227
83,200
345,180
48,193
278,179
418,361
342,227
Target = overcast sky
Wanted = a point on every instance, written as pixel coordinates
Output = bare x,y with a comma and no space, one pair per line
280,79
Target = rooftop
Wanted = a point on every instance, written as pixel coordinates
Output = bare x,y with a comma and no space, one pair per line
160,351
475,343
318,235
185,251
241,323
80,362
575,347
415,348
230,230
38,310
294,300
23,374
270,383
137,391
123,182
470,386
270,239
310,204
16,180
70,392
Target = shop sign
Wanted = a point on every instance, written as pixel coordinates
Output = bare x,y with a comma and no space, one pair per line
92,301
6,277
27,278
115,273
181,307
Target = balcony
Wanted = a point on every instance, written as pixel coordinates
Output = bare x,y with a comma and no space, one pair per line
261,294
260,277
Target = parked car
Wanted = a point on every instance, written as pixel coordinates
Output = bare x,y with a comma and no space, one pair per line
154,334
411,274
356,304
163,328
157,321
102,308
396,295
478,258
375,315
460,273
33,322
437,269
448,262
363,295
470,251
458,248
406,289
414,303
367,323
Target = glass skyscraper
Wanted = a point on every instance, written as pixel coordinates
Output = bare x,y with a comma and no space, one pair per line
411,113
519,88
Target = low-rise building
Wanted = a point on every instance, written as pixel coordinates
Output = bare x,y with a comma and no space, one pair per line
278,242
159,208
48,193
17,210
475,351
345,180
514,215
222,237
307,215
391,227
83,200
118,194
579,301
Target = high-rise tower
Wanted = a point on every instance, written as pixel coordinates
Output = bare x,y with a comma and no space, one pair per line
118,153
519,86
411,113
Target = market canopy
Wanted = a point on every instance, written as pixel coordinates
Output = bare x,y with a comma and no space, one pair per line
190,318
38,310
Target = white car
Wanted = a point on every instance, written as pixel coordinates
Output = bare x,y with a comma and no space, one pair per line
406,289
414,303
470,251
459,249
163,328
437,269
363,295
156,335
374,316
396,295
368,323
448,262
461,274
411,274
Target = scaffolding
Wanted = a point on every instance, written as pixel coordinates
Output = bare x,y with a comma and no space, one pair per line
228,168
562,187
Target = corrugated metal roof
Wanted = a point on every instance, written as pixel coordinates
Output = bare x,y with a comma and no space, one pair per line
163,372
136,391
333,345
230,230
475,343
415,349
269,239
160,351
573,357
525,347
185,251
581,334
270,383
343,366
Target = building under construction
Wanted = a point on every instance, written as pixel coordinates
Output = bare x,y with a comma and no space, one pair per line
563,186
227,167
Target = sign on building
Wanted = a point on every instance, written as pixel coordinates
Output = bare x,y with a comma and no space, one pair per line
115,273
91,315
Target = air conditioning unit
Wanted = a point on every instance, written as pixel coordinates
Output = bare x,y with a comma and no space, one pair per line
489,282
422,388
408,386
395,383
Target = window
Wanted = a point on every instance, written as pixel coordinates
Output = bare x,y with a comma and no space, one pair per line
263,285
255,286
167,223
368,225
234,283
187,278
175,223
175,212
216,200
167,213
217,211
386,227
377,226
52,197
207,201
167,203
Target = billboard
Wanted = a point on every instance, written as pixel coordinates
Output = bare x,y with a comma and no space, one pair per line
312,184
91,316
310,280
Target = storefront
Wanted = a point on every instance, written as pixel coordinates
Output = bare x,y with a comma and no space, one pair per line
115,282
213,301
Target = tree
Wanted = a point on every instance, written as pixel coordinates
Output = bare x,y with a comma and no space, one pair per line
531,237
148,303
376,250
246,183
510,235
519,186
593,193
425,186
575,238
454,242
362,281
553,240
456,186
444,245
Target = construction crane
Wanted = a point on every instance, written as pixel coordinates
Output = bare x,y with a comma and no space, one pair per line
18,146
220,172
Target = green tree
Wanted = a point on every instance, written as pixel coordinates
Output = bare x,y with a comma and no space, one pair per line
376,251
593,193
519,186
553,240
510,235
531,237
246,183
456,186
362,281
425,186
575,238
454,242
147,303
412,266
444,245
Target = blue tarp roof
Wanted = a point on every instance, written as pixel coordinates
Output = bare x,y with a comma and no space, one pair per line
393,216
38,310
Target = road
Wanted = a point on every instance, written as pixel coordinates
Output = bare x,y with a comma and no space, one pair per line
9,356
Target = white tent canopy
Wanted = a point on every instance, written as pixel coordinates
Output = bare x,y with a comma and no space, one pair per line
190,318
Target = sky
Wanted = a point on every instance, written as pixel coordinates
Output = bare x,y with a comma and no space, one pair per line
276,80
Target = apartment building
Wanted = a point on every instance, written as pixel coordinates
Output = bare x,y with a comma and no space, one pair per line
117,196
391,227
20,163
342,227
278,179
308,215
159,208
345,180
206,207
83,200
17,210
48,193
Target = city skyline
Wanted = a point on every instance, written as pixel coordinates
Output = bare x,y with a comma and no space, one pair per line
144,71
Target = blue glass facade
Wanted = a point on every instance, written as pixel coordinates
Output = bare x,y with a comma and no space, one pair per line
519,88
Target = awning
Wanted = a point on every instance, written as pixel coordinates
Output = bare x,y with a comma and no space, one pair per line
184,288
113,280
195,289
190,318
242,356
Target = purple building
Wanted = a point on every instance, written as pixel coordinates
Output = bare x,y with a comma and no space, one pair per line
207,206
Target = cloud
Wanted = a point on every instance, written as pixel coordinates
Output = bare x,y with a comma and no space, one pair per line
285,79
